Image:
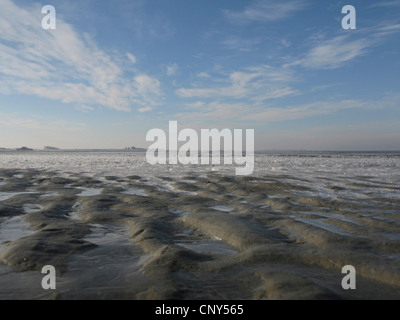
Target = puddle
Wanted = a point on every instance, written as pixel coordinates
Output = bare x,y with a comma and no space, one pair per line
391,236
323,225
202,244
212,246
8,195
378,211
89,192
235,195
136,192
51,194
261,181
31,208
381,219
110,268
73,215
332,216
255,204
18,176
222,208
179,212
395,256
276,196
14,228
109,234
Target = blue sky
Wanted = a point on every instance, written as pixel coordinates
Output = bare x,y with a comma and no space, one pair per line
112,70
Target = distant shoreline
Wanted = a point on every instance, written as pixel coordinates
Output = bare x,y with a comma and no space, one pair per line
72,150
272,152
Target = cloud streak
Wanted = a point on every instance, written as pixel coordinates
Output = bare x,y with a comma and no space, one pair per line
265,11
64,65
11,121
333,53
257,83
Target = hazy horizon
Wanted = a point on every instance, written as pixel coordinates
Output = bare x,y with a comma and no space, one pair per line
143,149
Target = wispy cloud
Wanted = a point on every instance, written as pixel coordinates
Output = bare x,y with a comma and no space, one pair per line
131,58
386,30
85,108
304,111
202,114
195,105
203,75
265,11
258,83
14,121
172,69
253,114
333,53
385,4
145,109
238,43
65,65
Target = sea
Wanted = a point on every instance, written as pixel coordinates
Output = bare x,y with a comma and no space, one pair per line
318,170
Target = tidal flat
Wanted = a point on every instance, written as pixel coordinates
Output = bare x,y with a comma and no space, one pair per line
200,236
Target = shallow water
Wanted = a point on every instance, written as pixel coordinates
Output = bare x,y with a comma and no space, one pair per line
136,192
202,244
324,225
89,192
12,229
222,208
8,195
31,208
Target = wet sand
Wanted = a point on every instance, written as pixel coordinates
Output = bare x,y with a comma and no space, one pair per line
206,236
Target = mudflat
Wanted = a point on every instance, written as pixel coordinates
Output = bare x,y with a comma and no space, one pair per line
207,236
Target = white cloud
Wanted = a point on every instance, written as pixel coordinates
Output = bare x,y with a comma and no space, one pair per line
214,112
256,113
131,58
286,43
172,69
241,44
195,105
337,51
203,75
385,4
303,111
265,11
333,53
85,108
64,64
13,121
145,109
276,93
258,83
385,30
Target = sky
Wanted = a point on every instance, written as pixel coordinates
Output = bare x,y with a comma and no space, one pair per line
113,70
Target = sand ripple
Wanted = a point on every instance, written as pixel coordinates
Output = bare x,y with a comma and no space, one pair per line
196,237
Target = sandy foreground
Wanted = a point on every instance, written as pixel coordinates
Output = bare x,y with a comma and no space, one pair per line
207,237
